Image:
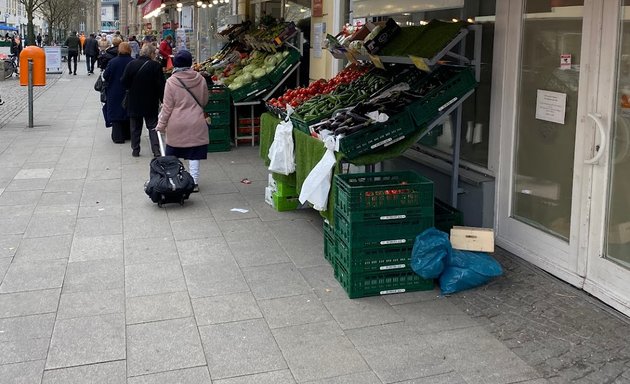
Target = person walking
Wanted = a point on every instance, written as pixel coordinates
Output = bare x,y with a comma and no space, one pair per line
109,53
91,53
116,114
82,41
135,47
144,80
182,118
166,49
103,43
39,39
74,48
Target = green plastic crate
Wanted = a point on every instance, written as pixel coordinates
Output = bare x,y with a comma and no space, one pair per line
218,118
386,193
284,189
374,259
436,101
280,70
222,106
219,146
218,93
446,217
330,243
219,133
377,136
303,125
285,203
250,90
382,283
394,231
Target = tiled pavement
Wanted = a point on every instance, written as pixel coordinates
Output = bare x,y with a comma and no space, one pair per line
98,285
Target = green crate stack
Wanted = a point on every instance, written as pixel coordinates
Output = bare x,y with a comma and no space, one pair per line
285,198
377,218
218,114
330,243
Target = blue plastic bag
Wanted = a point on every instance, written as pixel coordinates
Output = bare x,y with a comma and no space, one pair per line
429,254
466,269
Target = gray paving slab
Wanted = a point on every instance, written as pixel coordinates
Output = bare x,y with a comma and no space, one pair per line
44,248
87,340
9,245
69,174
95,275
195,228
363,312
435,315
301,240
355,378
225,308
240,348
195,207
150,250
60,197
101,192
36,275
26,185
446,378
235,231
249,253
217,187
165,306
198,375
44,226
24,350
5,262
275,377
153,279
96,248
211,280
413,297
163,346
83,304
99,210
209,250
12,198
318,351
26,327
276,280
29,303
142,223
396,352
24,373
323,283
113,372
294,310
59,185
99,226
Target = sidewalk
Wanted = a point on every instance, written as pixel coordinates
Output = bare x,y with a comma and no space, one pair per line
99,285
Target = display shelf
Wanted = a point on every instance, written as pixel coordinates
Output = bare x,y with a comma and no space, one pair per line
454,49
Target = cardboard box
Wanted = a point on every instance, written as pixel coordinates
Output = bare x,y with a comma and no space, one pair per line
472,239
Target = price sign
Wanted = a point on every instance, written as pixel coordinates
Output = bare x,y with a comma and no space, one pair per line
377,62
420,63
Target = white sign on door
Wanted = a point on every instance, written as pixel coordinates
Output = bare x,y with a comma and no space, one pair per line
53,59
551,106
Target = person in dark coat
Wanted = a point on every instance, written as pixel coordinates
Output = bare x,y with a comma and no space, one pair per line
109,53
91,52
74,50
116,114
144,79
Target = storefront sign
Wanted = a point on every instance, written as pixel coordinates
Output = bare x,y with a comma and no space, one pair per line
551,106
317,8
53,59
150,6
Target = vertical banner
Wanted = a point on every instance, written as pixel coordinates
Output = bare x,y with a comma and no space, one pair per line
180,38
317,8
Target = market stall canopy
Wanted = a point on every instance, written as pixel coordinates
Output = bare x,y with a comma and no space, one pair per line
150,6
7,28
140,2
362,8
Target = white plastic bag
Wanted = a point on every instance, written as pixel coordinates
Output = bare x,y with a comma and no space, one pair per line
281,151
317,184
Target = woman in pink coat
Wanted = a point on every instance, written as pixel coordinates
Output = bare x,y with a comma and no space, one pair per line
182,117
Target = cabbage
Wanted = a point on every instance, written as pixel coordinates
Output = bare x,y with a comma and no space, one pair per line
279,56
234,85
271,61
246,78
258,73
250,68
285,53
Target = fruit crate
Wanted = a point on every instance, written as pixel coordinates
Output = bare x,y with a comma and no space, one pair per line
284,189
218,134
251,90
218,93
218,118
385,193
374,259
279,72
377,136
285,203
393,231
446,217
303,124
436,101
379,283
217,106
330,243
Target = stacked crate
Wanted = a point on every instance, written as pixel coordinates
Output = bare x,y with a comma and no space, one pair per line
285,197
376,220
218,117
248,130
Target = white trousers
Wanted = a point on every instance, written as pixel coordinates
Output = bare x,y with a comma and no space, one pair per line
193,166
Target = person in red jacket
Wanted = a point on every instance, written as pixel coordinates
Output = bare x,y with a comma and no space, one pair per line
166,49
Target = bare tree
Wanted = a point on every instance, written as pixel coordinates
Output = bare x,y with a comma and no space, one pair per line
31,6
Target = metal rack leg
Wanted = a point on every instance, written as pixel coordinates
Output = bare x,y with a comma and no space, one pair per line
251,124
456,149
236,126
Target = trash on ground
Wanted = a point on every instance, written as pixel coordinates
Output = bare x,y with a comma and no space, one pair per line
240,210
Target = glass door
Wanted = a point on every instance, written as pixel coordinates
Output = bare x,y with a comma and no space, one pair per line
608,272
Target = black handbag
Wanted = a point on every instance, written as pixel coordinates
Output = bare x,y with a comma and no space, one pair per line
100,84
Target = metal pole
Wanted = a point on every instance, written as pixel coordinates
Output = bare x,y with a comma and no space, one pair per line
30,93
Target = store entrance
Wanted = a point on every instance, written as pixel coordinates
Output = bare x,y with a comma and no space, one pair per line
563,191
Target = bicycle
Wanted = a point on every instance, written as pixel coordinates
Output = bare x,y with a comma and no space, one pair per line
10,66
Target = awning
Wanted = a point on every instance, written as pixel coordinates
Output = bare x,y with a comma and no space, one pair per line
140,2
150,6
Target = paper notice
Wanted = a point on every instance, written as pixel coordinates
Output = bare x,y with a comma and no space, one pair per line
551,106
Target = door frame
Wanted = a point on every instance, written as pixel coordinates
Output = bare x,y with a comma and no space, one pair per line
567,261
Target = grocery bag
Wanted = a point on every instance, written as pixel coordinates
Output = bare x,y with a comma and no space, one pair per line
317,184
281,151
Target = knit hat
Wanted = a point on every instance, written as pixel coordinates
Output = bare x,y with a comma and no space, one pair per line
183,59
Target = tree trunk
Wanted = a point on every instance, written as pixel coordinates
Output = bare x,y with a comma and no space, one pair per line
30,34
